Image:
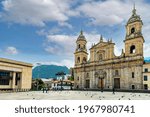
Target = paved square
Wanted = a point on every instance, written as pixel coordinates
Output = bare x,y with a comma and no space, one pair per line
74,95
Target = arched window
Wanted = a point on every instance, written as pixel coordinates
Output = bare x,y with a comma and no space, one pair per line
100,57
84,47
79,46
78,60
116,72
84,60
132,49
132,30
87,75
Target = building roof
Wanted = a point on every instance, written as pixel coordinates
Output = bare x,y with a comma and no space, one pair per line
81,36
134,17
4,60
46,80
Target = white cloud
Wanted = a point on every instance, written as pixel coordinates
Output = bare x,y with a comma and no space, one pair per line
106,12
66,44
37,12
60,44
11,50
112,12
65,24
53,49
65,62
147,49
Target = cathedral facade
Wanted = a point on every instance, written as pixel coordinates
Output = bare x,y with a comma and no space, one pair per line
106,70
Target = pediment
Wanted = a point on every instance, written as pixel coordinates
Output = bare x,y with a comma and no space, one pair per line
101,45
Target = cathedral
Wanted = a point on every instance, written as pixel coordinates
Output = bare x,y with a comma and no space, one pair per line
105,70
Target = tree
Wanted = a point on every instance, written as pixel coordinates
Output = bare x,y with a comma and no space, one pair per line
71,78
37,84
61,74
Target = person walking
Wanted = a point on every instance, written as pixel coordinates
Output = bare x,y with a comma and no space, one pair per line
43,89
46,89
113,90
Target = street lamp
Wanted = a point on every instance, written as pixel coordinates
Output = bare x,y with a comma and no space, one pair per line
61,74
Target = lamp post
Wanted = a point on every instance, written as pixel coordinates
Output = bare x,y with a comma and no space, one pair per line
61,74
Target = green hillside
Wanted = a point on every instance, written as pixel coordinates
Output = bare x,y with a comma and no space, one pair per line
48,71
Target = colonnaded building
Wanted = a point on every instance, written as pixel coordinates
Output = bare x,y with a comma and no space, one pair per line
106,70
15,75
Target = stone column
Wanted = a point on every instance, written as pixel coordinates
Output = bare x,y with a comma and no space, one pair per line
83,80
97,80
94,79
13,80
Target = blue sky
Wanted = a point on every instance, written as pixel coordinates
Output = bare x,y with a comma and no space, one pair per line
45,31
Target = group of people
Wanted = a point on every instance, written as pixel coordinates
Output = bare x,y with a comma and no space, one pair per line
45,89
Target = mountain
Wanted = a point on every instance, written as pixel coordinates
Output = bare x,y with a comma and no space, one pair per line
147,59
48,71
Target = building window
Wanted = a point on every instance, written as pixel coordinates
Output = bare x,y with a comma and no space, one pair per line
84,60
132,74
133,87
79,46
132,30
145,86
18,75
16,81
84,46
146,70
145,78
87,75
100,57
78,60
132,49
116,72
5,74
4,81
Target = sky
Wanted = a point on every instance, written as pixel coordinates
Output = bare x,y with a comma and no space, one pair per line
45,31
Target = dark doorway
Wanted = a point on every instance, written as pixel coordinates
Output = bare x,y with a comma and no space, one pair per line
133,87
145,86
117,83
87,84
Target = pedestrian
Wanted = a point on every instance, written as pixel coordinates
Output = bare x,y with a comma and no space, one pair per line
113,90
43,89
46,89
102,89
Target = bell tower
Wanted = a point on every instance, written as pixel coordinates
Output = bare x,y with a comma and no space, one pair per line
134,39
81,51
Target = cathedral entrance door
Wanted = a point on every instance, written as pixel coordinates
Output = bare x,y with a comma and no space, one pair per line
101,83
117,83
87,84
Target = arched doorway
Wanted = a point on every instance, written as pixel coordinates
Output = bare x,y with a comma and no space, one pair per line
87,83
101,76
100,83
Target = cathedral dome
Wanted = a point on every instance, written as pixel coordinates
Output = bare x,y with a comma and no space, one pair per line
134,17
81,36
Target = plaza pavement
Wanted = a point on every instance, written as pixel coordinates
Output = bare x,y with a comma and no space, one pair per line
74,95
